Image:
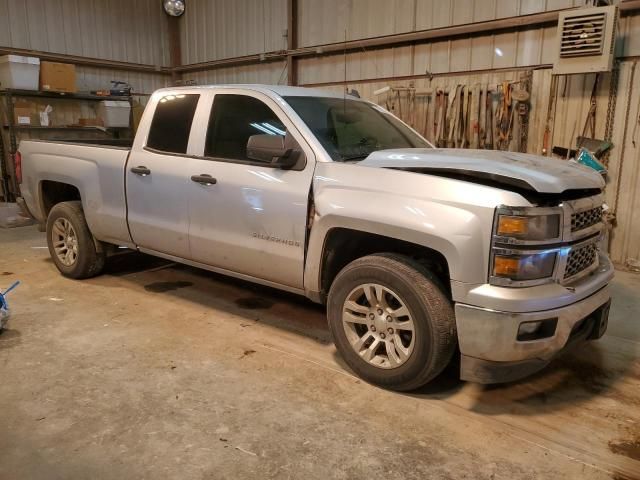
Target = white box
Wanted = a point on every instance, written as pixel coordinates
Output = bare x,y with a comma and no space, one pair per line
114,113
19,72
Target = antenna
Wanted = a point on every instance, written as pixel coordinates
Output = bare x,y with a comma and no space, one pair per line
344,94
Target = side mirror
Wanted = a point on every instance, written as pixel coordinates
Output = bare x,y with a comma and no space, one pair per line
271,149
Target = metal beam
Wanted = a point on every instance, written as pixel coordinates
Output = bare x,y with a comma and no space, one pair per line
86,61
175,49
292,41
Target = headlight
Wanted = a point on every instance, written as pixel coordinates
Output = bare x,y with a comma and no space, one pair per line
525,227
524,267
523,242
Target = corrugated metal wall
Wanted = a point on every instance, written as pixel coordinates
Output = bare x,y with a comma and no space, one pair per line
326,21
273,73
125,30
212,30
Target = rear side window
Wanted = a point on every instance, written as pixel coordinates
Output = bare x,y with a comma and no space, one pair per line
234,118
171,123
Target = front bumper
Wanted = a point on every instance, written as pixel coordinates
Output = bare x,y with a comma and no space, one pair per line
488,338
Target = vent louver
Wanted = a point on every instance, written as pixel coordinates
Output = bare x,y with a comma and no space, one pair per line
586,40
583,35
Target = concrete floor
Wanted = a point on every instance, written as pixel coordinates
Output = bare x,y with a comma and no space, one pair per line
156,370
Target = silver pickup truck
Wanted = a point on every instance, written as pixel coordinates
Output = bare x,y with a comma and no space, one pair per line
421,255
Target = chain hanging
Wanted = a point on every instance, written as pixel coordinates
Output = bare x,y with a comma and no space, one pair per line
611,109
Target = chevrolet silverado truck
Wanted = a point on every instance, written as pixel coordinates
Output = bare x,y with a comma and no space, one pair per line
419,254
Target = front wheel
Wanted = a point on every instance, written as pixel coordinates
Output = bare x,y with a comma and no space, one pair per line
71,244
391,321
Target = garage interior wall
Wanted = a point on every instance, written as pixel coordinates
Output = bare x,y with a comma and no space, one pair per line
214,30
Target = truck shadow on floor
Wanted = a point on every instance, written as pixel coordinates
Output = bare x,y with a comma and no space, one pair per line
572,378
255,303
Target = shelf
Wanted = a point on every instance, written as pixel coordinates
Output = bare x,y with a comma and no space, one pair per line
76,128
62,95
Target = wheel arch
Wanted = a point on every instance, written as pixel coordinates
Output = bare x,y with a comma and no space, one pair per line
342,245
53,192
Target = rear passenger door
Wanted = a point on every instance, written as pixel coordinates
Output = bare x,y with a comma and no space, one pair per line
156,177
251,219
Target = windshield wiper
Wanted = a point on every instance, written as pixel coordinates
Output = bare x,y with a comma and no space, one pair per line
355,157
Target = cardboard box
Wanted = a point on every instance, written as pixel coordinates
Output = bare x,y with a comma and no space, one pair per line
25,113
58,77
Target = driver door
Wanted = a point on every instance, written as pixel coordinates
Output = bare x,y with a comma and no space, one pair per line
250,219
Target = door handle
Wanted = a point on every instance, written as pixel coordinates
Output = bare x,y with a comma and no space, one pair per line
141,170
204,179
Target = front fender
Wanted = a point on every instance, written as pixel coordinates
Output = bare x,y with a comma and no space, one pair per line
459,234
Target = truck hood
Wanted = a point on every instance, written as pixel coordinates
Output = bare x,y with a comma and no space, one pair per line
510,170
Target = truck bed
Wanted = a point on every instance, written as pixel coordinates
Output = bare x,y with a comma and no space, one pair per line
96,171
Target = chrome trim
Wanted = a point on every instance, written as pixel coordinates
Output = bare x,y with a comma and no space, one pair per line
492,335
586,271
572,207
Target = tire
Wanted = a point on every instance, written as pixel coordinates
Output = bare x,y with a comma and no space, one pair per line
89,260
403,281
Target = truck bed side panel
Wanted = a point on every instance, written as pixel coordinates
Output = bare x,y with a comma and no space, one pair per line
97,173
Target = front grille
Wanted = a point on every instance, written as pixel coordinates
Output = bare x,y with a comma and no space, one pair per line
580,258
582,220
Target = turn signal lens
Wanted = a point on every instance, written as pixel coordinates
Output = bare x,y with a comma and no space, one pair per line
508,225
529,227
506,266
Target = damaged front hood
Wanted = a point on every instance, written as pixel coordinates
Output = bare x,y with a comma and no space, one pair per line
508,169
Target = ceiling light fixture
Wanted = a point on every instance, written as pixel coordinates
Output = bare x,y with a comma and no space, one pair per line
173,8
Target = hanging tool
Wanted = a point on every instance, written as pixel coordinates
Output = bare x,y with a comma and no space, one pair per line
453,112
427,93
440,118
463,138
521,106
489,125
474,123
482,115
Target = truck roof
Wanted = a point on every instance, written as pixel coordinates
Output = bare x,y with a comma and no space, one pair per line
281,90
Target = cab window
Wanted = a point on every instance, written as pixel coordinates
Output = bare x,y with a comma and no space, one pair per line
236,118
171,124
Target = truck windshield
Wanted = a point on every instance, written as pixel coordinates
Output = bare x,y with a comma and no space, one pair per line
350,130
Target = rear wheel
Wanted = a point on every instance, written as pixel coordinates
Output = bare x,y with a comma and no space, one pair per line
391,321
71,244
